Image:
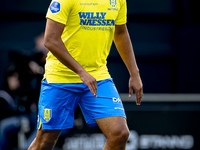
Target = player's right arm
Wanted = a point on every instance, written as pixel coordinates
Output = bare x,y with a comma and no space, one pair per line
55,44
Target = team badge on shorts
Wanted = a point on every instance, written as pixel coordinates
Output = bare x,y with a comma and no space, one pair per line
113,3
47,114
55,7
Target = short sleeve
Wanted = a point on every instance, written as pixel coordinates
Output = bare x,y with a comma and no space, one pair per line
59,10
122,16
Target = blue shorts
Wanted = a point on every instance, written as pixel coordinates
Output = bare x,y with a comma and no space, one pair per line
58,102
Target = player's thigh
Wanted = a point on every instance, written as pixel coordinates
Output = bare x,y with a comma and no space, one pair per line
113,126
47,136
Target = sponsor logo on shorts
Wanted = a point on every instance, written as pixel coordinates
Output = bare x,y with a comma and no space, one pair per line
47,114
119,108
116,100
55,7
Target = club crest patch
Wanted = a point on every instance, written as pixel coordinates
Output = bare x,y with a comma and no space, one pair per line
113,3
55,7
47,114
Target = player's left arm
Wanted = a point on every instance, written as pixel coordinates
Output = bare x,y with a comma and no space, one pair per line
123,44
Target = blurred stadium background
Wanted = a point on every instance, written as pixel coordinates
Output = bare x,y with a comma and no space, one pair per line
166,40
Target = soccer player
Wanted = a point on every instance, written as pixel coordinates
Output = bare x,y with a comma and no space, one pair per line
79,35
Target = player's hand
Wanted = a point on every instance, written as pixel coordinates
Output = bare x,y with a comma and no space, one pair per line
135,84
90,81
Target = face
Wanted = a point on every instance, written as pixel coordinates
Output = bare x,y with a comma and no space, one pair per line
13,82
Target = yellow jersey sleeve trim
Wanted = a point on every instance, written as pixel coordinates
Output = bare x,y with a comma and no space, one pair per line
55,19
121,23
122,16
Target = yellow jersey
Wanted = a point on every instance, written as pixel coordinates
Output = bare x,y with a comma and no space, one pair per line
88,36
